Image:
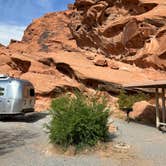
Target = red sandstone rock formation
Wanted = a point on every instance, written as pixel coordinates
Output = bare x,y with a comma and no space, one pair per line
49,55
129,30
46,34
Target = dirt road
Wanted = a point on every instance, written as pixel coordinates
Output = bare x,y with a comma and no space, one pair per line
23,142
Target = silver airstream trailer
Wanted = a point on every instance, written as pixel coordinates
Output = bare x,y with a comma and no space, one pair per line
16,96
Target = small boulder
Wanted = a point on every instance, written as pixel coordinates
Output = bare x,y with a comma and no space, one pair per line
114,66
101,61
90,56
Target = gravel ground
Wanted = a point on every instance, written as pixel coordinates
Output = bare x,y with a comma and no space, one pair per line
23,142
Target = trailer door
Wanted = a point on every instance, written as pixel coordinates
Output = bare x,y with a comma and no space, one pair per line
2,99
2,106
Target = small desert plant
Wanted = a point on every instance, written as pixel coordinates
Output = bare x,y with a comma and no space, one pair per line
126,101
79,120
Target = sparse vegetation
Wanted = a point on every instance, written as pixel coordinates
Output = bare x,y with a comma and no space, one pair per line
79,120
126,101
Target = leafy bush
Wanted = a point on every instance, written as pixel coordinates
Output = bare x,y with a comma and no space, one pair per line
78,120
126,101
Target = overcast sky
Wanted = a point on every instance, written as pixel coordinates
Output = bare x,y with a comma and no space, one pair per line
15,15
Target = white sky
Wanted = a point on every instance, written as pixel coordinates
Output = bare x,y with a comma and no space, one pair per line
8,32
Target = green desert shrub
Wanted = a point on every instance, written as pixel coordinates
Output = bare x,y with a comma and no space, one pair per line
126,101
79,120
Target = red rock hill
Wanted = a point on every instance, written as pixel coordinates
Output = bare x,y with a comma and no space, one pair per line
79,48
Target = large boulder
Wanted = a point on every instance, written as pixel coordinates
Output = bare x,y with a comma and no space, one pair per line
144,112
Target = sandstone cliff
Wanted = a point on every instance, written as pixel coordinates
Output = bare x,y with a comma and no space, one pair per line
133,31
81,48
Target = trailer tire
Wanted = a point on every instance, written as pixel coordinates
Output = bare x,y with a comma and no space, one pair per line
1,117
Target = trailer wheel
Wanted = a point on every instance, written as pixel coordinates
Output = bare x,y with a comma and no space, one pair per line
1,117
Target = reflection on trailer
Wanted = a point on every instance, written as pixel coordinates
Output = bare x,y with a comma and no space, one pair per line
16,96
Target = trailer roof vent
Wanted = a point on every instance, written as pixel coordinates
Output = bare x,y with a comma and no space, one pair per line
4,76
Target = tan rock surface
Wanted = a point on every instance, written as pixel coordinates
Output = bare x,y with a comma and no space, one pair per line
144,112
85,70
52,60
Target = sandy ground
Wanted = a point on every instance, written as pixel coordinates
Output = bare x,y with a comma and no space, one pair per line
23,142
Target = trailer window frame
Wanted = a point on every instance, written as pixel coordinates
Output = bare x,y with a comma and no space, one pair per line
25,91
2,91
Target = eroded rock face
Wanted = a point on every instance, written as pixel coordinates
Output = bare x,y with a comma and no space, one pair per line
130,30
19,64
49,57
46,34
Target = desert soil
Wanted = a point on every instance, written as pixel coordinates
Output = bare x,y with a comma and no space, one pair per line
24,142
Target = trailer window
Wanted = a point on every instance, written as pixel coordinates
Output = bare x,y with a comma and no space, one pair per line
32,92
2,91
